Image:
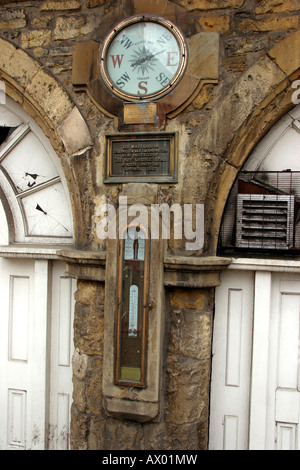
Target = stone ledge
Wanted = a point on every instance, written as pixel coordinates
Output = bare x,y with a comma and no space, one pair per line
22,251
194,272
84,265
136,410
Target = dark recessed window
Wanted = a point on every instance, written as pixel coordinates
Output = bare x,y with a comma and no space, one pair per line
4,133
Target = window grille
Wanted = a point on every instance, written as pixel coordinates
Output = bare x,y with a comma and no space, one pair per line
262,212
265,221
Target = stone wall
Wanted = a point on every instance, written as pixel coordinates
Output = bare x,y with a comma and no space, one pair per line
217,131
184,417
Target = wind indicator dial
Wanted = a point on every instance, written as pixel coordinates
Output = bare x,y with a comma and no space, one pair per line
143,58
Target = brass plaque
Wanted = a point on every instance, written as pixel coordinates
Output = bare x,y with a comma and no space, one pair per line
140,113
141,157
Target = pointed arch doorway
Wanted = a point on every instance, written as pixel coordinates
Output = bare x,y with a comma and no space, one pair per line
36,317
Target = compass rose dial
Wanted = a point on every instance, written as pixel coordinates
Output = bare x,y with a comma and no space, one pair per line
143,58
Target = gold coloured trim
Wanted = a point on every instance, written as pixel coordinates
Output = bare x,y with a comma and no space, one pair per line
176,32
134,378
153,141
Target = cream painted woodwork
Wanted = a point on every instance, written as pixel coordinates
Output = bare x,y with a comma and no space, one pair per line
37,300
255,390
32,182
231,362
35,354
60,356
4,232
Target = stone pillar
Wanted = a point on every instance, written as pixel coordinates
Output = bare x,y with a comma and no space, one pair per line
182,421
188,363
190,284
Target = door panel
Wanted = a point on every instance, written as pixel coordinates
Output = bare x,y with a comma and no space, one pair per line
259,410
231,362
16,354
283,367
63,289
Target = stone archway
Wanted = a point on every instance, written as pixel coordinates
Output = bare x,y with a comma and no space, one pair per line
255,103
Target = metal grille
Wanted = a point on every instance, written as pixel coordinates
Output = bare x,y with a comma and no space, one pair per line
262,212
265,221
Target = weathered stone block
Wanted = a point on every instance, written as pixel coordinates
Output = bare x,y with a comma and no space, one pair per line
277,6
123,435
64,5
79,394
162,436
36,38
95,3
204,55
73,27
211,4
183,298
221,24
89,325
12,19
79,424
75,133
184,392
17,64
86,293
236,63
55,102
287,53
190,333
269,24
80,364
94,387
238,104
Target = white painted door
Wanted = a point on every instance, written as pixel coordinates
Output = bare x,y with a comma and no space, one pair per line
29,376
283,386
231,369
255,399
62,315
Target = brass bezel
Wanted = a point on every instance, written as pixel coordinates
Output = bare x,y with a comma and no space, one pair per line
129,22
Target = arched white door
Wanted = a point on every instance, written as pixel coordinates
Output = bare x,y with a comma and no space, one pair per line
36,313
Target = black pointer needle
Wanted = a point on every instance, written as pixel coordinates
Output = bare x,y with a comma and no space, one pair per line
145,59
55,220
38,207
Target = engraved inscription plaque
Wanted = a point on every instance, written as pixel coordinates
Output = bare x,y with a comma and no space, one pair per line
141,157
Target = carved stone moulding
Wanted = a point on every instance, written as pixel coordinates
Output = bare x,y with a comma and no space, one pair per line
202,65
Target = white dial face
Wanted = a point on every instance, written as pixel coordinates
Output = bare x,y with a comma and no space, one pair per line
33,169
45,212
37,187
143,59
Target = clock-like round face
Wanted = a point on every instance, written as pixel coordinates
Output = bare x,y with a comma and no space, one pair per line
143,58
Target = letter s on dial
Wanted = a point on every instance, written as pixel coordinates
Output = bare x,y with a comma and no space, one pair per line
144,57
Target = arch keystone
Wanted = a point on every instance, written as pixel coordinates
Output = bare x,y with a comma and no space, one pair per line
286,54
